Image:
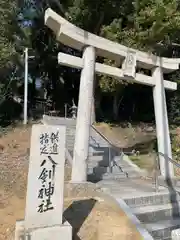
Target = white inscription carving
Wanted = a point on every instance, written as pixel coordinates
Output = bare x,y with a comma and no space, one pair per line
129,65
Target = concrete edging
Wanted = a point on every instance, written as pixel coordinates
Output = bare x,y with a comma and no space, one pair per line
143,232
136,168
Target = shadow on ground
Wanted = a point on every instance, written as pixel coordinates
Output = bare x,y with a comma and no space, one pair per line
81,210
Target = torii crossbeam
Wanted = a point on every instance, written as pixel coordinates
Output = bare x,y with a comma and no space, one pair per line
128,61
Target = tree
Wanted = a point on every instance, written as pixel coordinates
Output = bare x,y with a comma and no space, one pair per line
114,87
8,28
151,26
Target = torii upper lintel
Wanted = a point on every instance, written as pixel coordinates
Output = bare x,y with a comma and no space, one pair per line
75,37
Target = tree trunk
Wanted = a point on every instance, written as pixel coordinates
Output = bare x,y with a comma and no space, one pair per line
115,107
116,104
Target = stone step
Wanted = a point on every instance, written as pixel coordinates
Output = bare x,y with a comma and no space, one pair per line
157,212
162,229
115,171
70,144
71,131
98,164
70,149
152,199
127,169
106,158
73,126
70,139
102,162
97,152
106,176
106,162
70,135
115,168
98,169
98,158
110,188
120,175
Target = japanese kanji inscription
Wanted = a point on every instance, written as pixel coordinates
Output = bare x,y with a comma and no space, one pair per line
129,65
47,185
44,203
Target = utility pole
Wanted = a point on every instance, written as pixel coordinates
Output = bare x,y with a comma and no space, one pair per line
25,85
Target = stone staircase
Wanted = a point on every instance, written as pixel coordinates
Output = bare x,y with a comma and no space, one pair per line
159,213
98,168
98,160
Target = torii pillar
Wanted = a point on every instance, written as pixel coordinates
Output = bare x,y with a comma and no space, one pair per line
83,121
162,125
92,45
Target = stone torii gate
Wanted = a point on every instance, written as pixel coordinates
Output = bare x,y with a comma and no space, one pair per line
128,60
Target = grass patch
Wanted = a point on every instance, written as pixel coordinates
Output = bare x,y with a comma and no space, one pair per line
144,161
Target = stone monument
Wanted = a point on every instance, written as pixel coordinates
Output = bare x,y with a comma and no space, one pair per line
175,234
128,60
45,188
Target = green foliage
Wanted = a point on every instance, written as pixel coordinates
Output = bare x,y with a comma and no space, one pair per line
176,145
152,26
157,21
90,15
174,100
109,84
7,29
148,24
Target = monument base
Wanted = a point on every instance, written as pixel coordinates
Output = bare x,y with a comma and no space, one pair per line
58,232
19,230
175,234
